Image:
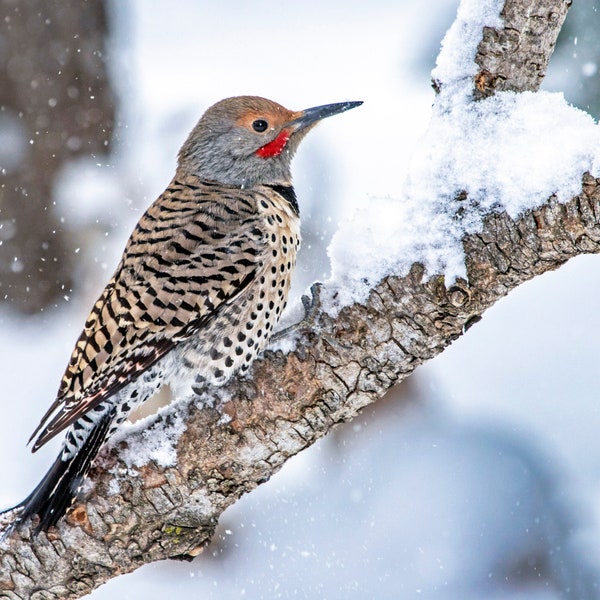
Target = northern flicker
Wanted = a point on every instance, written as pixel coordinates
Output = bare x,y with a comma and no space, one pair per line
202,282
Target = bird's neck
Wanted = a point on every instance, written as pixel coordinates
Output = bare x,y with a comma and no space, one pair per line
185,175
284,188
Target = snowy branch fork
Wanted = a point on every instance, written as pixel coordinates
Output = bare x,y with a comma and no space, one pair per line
341,364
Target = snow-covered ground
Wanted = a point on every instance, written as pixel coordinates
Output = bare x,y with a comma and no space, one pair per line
478,479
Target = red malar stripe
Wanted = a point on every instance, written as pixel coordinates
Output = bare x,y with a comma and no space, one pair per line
275,147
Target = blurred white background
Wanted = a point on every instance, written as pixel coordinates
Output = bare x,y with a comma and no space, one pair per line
478,478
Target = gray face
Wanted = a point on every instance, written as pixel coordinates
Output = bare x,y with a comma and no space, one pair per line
225,144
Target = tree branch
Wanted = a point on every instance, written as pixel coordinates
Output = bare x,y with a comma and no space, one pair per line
515,57
340,364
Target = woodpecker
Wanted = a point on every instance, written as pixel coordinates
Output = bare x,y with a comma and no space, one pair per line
202,282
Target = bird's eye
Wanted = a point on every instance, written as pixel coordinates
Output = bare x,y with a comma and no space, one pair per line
260,125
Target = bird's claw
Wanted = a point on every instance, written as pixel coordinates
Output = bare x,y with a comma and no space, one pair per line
311,305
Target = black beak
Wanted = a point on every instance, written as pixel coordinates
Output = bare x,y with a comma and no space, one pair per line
312,115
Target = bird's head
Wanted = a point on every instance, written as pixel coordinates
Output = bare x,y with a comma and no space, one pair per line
248,140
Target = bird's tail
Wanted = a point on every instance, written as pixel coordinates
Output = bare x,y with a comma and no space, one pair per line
58,489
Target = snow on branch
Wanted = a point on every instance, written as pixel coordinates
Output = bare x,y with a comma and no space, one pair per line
507,152
501,189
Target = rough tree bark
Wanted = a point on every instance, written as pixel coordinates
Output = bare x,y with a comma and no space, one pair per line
340,365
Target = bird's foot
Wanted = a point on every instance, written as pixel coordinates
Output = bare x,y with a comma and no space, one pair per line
312,306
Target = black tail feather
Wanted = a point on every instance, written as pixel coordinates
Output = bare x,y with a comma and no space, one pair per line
52,497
